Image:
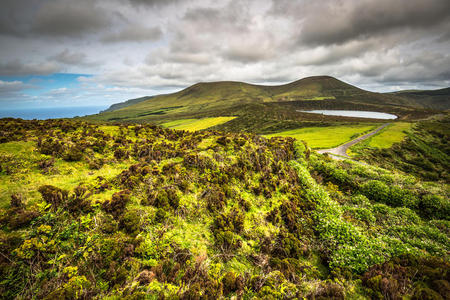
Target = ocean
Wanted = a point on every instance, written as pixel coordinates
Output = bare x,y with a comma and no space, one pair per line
50,113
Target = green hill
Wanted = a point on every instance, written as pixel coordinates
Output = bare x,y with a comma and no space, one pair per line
127,103
435,99
233,98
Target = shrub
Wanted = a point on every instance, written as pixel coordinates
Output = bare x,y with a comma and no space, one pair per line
16,201
164,198
73,154
434,207
376,190
96,163
78,202
20,218
46,164
130,222
288,246
53,195
328,290
121,153
232,283
108,224
215,199
390,195
226,228
116,206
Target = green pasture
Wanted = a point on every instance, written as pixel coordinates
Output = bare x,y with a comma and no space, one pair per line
326,137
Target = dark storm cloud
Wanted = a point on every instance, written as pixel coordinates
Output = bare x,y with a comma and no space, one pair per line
337,22
15,16
17,68
72,58
134,33
70,18
230,31
181,42
152,2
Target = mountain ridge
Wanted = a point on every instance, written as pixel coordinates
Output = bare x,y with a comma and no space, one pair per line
307,88
257,102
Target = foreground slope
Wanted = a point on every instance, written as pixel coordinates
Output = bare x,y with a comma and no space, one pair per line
139,212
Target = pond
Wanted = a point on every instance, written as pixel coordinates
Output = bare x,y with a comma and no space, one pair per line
353,113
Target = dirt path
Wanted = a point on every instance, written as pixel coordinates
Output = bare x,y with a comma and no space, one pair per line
340,152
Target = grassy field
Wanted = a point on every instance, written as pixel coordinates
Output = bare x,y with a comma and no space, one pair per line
196,124
388,136
326,137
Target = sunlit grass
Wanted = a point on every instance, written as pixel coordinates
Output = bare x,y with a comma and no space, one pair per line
27,178
197,124
326,137
390,135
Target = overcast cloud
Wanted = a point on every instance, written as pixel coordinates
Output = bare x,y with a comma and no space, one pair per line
132,48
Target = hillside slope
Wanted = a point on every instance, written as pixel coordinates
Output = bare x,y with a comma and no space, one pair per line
127,103
215,97
434,99
140,212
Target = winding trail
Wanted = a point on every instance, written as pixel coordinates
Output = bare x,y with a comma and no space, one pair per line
340,152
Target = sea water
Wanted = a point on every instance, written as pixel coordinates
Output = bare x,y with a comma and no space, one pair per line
50,113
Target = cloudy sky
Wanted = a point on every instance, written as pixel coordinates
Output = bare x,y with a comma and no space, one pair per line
94,52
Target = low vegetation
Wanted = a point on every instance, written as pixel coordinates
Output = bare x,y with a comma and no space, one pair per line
423,151
139,211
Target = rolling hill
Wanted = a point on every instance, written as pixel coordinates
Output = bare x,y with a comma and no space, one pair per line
434,99
256,105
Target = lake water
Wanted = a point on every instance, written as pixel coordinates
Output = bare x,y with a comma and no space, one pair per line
50,113
353,113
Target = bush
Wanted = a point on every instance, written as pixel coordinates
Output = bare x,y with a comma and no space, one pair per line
288,246
215,199
226,228
376,190
116,206
121,153
434,207
390,195
79,202
232,283
73,154
53,195
130,222
164,198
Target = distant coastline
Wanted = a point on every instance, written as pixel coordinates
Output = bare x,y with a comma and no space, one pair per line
50,113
